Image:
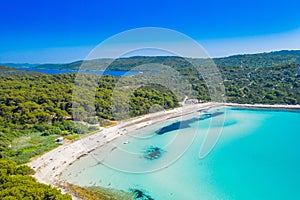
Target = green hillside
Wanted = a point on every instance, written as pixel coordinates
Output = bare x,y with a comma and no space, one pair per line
272,59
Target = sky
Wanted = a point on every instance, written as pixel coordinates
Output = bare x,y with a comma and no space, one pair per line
52,31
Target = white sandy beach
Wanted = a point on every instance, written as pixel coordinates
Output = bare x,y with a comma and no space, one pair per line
50,165
267,106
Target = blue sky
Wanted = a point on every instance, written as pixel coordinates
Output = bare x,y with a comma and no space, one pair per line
63,31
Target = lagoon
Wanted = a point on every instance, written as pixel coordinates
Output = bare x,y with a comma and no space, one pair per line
256,157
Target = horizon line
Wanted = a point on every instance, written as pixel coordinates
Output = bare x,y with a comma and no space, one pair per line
215,57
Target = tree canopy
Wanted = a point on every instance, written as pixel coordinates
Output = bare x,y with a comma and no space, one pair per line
16,183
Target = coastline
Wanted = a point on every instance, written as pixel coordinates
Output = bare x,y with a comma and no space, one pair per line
264,106
50,165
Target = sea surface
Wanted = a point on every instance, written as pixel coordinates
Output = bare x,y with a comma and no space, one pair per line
257,156
64,71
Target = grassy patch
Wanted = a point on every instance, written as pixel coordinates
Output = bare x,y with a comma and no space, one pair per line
22,145
30,145
107,123
72,137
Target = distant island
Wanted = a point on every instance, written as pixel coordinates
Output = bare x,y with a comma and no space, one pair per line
268,59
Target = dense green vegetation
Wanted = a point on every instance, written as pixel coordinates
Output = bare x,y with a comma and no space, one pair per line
145,97
36,109
272,59
267,85
16,183
271,85
32,109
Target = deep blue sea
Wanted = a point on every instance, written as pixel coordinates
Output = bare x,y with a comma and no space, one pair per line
256,157
61,71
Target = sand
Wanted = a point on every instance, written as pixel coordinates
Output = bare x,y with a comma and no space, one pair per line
50,165
266,106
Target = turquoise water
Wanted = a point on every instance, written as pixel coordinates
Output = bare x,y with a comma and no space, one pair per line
256,157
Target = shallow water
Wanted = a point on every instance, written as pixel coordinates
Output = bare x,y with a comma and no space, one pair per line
256,157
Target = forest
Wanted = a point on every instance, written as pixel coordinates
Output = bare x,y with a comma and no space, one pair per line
36,108
16,183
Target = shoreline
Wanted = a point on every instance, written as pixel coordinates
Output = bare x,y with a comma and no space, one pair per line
50,165
264,106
